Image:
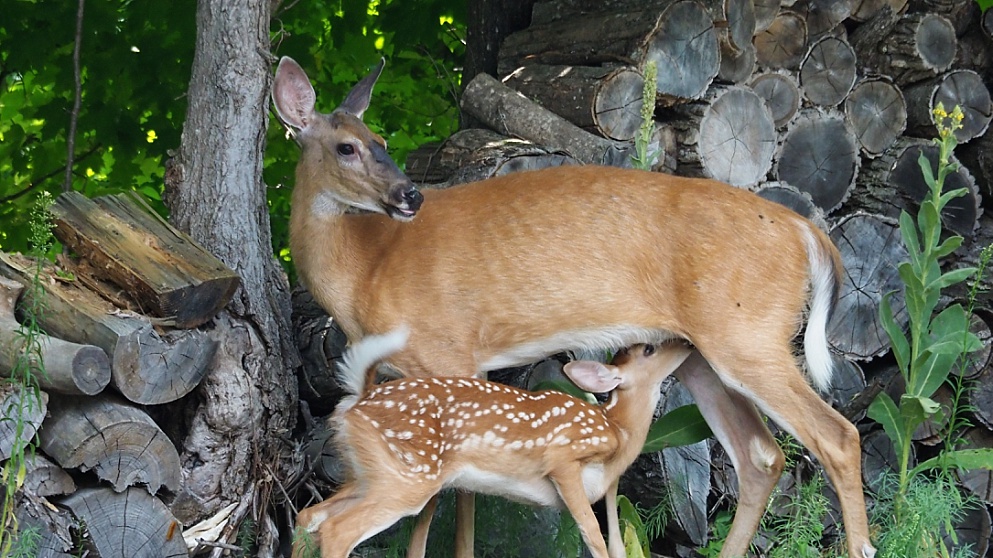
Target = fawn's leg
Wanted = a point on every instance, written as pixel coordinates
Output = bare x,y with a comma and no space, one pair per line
419,538
465,524
568,481
310,519
365,516
615,542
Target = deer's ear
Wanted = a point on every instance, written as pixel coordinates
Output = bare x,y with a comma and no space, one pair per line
293,95
592,376
357,100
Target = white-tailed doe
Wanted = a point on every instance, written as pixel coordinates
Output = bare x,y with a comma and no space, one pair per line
509,270
407,439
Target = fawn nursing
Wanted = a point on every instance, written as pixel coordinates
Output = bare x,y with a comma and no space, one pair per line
509,270
407,439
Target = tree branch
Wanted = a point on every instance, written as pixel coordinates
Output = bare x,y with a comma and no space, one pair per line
74,116
40,180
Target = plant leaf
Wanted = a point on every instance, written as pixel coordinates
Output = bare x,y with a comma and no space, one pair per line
960,459
565,386
901,347
915,409
883,410
952,278
950,245
634,534
681,426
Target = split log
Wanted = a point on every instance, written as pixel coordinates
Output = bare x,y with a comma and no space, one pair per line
67,367
977,156
20,409
791,197
963,88
877,113
783,44
846,384
737,24
52,525
822,16
827,72
879,459
979,482
502,108
781,93
960,14
131,523
981,325
729,136
894,182
322,453
819,155
120,443
166,272
321,344
603,100
736,68
45,478
680,39
765,13
147,366
907,48
435,163
871,248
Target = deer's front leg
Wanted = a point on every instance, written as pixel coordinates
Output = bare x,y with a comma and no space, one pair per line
568,481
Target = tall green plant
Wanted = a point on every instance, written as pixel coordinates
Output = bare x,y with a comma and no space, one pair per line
28,366
936,342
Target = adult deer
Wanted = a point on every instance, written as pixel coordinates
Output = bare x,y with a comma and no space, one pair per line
406,440
508,270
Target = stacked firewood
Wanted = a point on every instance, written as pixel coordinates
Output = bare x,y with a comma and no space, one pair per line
822,105
121,353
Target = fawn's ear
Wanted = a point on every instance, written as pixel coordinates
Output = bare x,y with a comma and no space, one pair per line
592,376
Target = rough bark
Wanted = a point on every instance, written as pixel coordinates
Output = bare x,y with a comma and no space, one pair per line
216,195
907,48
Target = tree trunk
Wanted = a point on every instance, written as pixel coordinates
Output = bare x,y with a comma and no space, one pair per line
215,192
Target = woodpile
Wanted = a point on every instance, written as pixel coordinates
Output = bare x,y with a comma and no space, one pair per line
121,357
824,106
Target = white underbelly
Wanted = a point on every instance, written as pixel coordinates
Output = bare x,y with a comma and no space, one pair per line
596,339
538,491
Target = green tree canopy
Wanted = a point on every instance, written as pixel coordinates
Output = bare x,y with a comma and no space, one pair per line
135,61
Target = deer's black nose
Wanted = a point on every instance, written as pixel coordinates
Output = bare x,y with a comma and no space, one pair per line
412,197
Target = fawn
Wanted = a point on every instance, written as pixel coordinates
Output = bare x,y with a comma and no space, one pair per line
407,439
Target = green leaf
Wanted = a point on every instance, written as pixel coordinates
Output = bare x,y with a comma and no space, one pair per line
958,459
679,427
909,233
926,170
565,386
953,277
915,409
883,410
633,528
901,347
950,245
930,225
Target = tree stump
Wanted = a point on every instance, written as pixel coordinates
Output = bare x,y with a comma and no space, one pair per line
827,72
502,108
871,248
729,136
783,43
963,88
68,367
781,94
603,100
131,523
120,443
45,478
680,38
20,409
147,366
819,155
168,274
907,48
877,113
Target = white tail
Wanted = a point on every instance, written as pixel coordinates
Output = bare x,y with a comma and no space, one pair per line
408,439
511,269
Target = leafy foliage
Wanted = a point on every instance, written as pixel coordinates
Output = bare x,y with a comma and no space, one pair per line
135,69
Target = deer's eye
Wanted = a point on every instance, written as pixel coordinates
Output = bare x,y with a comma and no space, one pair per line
649,350
346,149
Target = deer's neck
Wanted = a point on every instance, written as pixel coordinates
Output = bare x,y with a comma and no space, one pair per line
630,412
328,253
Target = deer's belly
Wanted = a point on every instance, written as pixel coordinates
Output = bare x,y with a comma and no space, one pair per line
538,490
